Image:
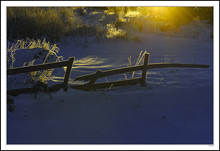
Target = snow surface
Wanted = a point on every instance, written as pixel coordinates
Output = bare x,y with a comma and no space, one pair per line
176,106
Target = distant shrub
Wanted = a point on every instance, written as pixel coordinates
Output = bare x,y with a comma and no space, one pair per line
113,32
57,22
35,22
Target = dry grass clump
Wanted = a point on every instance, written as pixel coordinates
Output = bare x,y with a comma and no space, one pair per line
35,22
51,51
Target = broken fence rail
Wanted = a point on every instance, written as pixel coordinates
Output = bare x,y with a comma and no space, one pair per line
88,87
99,74
68,63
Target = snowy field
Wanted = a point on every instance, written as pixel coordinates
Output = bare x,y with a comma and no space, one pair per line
176,106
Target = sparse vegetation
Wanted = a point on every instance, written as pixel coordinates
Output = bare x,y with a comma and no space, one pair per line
113,32
57,22
35,22
49,54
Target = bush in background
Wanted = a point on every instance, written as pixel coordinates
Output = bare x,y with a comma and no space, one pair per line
35,22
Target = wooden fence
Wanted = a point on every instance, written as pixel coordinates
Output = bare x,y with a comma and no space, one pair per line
92,78
141,80
68,63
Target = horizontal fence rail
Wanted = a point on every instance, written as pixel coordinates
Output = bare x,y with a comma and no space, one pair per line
34,89
37,67
136,68
109,73
168,65
99,74
88,87
68,63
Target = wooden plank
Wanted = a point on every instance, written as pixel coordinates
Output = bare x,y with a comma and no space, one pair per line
136,68
37,67
68,72
144,71
168,65
88,87
15,92
109,73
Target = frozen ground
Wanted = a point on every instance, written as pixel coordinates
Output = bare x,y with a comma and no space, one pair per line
176,106
129,115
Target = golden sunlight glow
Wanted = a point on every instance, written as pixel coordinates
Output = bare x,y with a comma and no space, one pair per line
159,10
174,16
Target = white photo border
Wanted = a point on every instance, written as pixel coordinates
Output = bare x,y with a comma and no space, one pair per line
5,4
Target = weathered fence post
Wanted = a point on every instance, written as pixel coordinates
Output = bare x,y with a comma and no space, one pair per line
93,80
68,72
144,71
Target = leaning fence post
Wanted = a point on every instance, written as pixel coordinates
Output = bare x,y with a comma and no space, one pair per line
93,80
144,71
68,72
